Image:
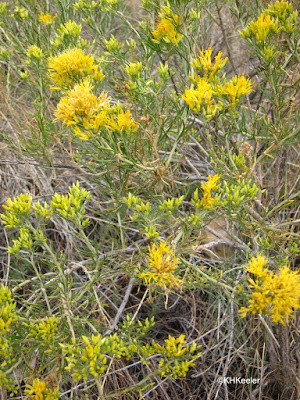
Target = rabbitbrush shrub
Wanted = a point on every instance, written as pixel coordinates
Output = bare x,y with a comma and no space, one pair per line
150,199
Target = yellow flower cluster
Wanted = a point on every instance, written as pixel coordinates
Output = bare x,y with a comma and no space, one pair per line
177,356
283,12
8,315
46,19
70,28
16,209
201,98
168,29
262,29
209,94
131,200
19,209
238,192
207,201
3,7
72,66
238,87
7,310
91,357
35,52
203,64
171,204
72,205
162,264
75,71
79,105
44,330
23,242
280,9
274,294
121,122
89,113
39,391
133,69
43,210
68,32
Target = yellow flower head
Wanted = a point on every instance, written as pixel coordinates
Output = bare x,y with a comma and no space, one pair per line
121,122
39,391
44,330
20,206
168,29
7,309
34,52
79,105
162,264
261,28
71,66
23,242
133,69
199,97
204,63
283,12
274,294
285,290
211,184
207,201
46,19
3,7
70,28
72,205
238,87
280,9
256,265
162,258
